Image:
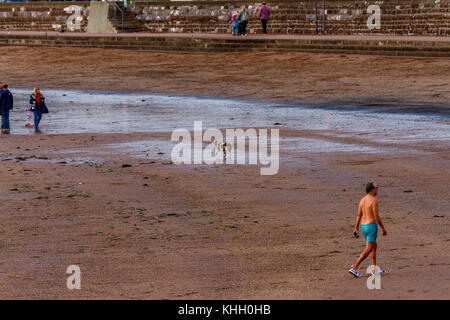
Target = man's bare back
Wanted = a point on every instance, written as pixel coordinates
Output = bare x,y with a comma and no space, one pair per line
368,207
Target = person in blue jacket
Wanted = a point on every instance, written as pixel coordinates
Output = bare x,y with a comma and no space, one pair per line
1,90
6,104
38,107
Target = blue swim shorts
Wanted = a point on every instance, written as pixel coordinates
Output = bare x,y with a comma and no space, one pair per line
370,232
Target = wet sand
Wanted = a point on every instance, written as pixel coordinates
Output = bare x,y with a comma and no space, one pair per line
353,81
141,227
146,228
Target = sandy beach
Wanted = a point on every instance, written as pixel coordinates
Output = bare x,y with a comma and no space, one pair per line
141,227
374,82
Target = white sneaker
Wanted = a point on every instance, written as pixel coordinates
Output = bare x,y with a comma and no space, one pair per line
354,272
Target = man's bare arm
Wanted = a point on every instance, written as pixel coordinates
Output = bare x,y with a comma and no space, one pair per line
358,219
377,216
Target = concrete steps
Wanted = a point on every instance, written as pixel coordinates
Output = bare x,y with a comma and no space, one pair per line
344,17
38,16
129,24
400,17
239,44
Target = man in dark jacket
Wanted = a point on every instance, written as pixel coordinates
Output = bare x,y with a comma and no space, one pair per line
6,104
264,14
1,90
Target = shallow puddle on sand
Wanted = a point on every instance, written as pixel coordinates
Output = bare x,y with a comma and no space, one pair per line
162,149
323,146
88,112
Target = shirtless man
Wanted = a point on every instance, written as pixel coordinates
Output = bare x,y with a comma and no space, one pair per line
370,220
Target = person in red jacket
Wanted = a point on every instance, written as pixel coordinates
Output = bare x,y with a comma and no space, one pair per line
38,107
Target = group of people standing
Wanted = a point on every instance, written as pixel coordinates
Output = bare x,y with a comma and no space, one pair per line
239,21
37,106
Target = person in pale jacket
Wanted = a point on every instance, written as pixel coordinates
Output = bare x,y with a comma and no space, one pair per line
243,17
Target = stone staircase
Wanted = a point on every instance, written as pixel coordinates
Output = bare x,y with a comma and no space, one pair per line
343,17
39,16
129,24
197,43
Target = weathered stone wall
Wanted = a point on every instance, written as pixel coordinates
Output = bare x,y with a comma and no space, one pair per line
203,43
44,16
402,17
